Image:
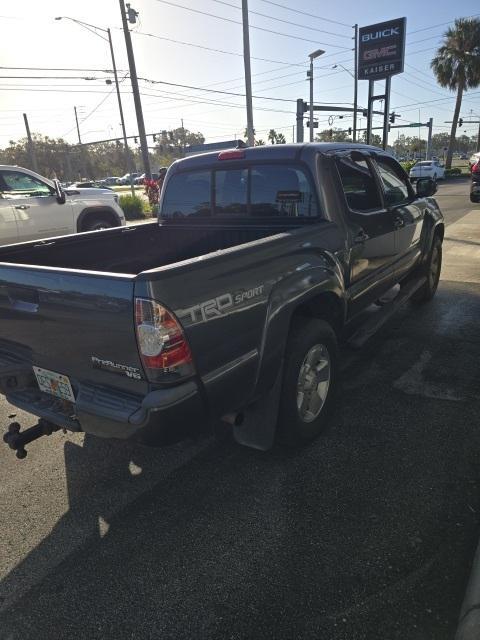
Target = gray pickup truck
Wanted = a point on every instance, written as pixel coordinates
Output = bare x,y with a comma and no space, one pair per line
229,308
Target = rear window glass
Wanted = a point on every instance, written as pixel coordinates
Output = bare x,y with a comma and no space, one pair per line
423,164
231,192
188,194
278,190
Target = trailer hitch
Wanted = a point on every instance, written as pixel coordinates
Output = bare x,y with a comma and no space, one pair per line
17,439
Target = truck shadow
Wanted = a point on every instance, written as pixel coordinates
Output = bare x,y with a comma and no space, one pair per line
357,534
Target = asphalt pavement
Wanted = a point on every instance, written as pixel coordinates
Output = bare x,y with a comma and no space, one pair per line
367,533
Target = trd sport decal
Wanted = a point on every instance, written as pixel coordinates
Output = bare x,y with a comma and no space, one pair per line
210,309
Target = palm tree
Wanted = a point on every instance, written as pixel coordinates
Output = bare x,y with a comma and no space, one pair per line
272,136
457,66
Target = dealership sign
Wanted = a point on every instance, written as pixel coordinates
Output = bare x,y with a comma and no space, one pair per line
381,49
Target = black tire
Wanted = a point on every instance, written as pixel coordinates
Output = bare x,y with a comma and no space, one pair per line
95,224
431,269
305,336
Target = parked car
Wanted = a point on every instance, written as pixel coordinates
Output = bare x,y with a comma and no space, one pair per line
475,184
427,169
474,158
230,307
33,207
112,180
96,184
141,179
126,178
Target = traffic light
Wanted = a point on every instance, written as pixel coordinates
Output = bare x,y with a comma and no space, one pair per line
460,122
154,137
330,133
392,117
349,131
135,140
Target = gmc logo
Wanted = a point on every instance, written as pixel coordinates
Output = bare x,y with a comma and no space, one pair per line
386,33
384,52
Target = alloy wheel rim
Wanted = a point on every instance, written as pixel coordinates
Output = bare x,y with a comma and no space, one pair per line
313,383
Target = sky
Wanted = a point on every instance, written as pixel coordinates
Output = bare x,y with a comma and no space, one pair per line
48,67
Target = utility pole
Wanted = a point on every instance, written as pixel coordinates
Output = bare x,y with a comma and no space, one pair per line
301,107
78,128
371,85
429,139
83,164
31,146
386,112
132,14
355,85
248,74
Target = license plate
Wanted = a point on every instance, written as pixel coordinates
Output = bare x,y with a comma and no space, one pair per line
54,383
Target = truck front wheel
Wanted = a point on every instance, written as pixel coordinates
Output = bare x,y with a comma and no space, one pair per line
95,224
309,381
431,269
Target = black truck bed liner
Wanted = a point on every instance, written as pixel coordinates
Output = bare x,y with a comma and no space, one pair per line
136,248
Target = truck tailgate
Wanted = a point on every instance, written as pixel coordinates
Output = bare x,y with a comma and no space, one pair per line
76,323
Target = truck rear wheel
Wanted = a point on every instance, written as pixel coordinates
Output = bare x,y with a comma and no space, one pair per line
309,381
431,269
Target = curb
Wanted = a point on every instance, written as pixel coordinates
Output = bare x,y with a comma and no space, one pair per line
469,620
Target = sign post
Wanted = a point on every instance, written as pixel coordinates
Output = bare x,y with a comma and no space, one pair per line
381,53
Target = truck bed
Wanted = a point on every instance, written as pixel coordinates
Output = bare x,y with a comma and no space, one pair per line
137,248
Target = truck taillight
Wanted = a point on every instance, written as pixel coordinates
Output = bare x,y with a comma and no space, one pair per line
163,347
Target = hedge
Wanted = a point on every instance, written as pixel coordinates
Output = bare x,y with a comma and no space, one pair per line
455,171
133,207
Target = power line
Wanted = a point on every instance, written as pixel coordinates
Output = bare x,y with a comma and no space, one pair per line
293,24
57,69
440,24
199,46
305,13
277,33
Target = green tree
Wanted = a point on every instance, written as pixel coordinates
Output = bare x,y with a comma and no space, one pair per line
276,138
332,135
272,136
456,66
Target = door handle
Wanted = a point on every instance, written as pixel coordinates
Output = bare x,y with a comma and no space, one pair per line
398,222
361,237
22,207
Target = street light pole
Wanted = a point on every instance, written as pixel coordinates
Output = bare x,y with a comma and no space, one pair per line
122,119
312,57
92,28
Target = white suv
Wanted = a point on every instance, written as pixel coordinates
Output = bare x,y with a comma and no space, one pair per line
34,207
427,169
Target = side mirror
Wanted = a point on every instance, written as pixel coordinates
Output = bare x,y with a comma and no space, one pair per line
426,187
59,192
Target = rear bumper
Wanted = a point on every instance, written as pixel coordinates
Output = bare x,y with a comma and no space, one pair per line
161,417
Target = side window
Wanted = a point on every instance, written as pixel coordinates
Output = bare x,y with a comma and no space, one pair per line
188,194
231,192
15,184
359,185
280,190
394,183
